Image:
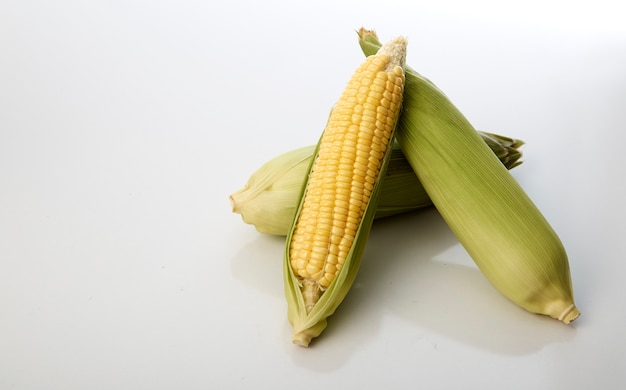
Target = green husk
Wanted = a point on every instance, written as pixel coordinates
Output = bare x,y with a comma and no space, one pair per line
494,219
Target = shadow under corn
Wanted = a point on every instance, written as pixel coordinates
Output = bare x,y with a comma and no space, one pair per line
413,268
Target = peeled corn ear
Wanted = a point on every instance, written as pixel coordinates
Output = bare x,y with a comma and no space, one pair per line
495,220
270,197
326,241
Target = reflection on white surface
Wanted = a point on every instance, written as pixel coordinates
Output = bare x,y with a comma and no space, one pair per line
124,126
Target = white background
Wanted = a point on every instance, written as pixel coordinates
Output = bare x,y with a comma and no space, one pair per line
125,125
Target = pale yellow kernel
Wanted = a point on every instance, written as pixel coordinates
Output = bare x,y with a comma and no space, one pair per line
368,106
314,190
331,268
339,221
382,111
380,80
321,248
300,263
351,137
359,175
369,111
324,211
355,202
308,237
316,260
377,88
372,167
346,160
379,61
341,203
317,275
323,229
365,132
357,185
374,159
329,278
353,216
351,227
340,117
374,98
364,89
329,182
347,239
363,145
365,77
331,259
324,282
345,168
335,148
343,177
346,245
343,192
344,249
361,160
351,98
342,183
336,231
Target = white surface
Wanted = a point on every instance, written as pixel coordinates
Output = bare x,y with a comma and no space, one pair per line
124,126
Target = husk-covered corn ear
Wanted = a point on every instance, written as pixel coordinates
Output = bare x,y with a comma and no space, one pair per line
494,219
270,197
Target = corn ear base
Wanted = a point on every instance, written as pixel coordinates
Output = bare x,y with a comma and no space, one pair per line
503,231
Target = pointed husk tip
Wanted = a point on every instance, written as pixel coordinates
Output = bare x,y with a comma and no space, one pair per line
569,314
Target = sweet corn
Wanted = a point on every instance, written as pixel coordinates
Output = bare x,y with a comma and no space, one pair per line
326,241
270,197
494,219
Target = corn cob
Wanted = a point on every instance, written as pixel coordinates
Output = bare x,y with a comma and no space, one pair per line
494,219
326,241
270,197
